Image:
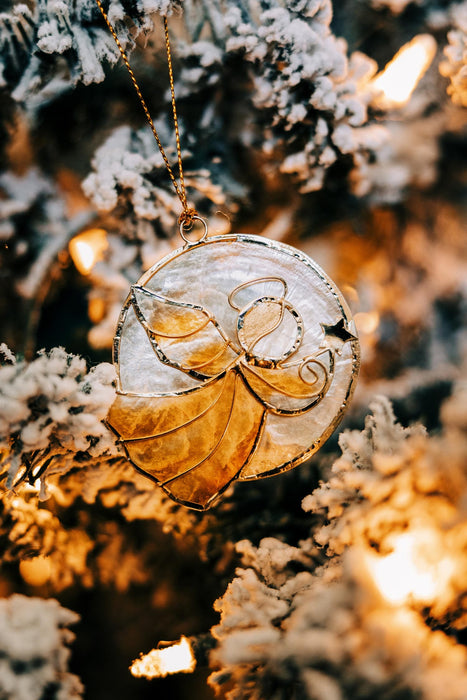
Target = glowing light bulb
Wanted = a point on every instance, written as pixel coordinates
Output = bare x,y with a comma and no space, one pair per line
176,658
417,568
394,86
36,571
87,248
35,487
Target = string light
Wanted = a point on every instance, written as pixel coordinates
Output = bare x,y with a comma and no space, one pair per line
394,86
87,248
176,658
36,571
418,568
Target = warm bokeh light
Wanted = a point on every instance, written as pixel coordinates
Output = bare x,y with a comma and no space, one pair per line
176,658
350,294
37,571
367,322
396,83
417,569
96,309
87,248
33,487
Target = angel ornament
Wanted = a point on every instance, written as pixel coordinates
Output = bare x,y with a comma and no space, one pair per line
236,357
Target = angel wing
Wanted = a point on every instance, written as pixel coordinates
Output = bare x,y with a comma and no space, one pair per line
194,444
184,336
294,388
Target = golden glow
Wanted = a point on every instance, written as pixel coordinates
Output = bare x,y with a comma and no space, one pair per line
87,248
37,571
35,487
96,309
367,322
417,569
396,83
350,294
176,658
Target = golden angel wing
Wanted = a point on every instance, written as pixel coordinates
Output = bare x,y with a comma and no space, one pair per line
184,336
195,444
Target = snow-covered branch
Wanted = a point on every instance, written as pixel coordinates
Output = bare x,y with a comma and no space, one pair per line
34,650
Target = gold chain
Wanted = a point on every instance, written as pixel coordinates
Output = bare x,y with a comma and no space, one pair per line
188,214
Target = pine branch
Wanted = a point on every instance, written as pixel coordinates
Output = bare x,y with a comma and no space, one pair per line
34,643
454,66
294,630
51,409
56,45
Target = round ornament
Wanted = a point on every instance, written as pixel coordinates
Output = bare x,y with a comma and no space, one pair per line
236,357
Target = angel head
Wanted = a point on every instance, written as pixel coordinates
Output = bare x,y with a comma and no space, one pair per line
263,316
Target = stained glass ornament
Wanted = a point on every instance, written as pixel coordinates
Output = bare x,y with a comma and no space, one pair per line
236,358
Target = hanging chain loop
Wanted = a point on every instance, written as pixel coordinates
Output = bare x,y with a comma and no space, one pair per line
188,214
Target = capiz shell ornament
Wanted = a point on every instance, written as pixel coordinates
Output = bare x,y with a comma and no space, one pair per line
236,357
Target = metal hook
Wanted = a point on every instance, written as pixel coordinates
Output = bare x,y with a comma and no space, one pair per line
201,238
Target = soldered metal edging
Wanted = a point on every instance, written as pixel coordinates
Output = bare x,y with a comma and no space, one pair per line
246,360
